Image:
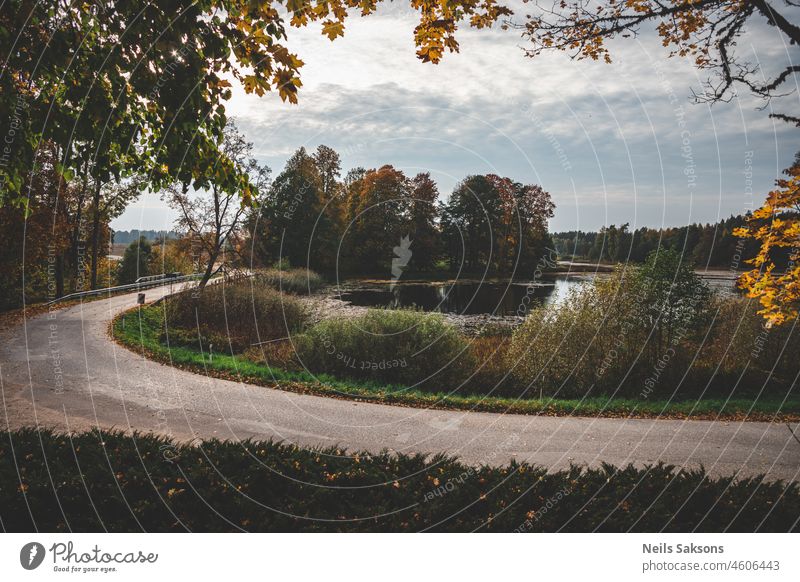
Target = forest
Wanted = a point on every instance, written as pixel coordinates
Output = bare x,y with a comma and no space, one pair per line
703,245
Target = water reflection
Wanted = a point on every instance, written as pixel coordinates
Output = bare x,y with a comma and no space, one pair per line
472,298
467,298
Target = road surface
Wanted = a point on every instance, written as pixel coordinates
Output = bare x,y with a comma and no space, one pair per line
61,370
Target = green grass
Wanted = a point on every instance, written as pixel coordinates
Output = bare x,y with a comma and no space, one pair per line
110,481
142,328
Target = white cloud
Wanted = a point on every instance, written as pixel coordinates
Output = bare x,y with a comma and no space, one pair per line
605,140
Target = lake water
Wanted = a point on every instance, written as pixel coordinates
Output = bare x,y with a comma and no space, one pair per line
473,298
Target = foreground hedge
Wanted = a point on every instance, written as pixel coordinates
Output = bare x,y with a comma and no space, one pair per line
96,481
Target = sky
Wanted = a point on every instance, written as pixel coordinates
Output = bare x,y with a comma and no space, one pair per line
611,143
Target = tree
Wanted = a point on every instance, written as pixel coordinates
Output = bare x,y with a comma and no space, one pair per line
378,218
776,225
522,237
136,261
108,202
669,297
35,238
472,212
423,213
171,256
706,30
497,224
329,166
212,217
284,227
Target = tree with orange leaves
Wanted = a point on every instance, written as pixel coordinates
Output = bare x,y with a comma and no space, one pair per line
776,225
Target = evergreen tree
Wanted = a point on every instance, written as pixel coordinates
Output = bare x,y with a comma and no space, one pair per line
136,261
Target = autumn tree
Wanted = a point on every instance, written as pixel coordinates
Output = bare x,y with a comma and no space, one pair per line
34,239
125,83
497,224
776,225
379,220
521,235
329,166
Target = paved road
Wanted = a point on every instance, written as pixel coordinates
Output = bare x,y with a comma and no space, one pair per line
62,370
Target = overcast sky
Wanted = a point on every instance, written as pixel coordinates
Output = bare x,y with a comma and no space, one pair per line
611,143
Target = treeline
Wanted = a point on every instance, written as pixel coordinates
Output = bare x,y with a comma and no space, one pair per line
129,236
704,245
56,243
381,221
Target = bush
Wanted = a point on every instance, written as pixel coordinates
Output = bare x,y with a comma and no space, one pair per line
624,335
651,331
278,354
744,356
490,372
558,350
406,347
243,313
107,481
297,280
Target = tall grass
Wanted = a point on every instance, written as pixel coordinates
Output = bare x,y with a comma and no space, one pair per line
290,280
276,362
239,315
394,346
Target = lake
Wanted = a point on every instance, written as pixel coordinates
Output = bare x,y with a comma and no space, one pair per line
473,297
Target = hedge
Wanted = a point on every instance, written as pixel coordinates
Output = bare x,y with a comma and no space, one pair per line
97,481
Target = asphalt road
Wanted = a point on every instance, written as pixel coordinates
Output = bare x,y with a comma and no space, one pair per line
61,370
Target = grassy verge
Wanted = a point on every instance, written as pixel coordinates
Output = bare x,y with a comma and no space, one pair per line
139,330
108,481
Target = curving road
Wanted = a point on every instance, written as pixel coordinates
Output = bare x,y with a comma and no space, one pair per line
61,370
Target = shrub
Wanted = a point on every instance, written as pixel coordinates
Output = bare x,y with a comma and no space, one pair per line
624,335
108,481
244,313
297,280
490,373
406,347
744,356
277,354
555,351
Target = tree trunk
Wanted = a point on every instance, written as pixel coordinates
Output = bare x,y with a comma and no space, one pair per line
75,248
95,233
209,269
60,275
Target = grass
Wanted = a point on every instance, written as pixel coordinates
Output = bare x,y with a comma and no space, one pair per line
139,329
110,481
292,280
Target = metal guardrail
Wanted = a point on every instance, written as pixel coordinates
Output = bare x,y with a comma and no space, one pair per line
130,286
157,277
